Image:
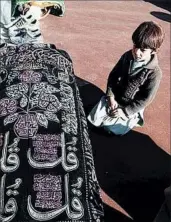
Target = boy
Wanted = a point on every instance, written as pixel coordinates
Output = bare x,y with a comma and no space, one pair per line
132,84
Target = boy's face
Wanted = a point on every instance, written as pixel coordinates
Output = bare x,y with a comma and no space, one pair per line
142,54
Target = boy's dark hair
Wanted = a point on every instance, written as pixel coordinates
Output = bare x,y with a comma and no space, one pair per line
148,35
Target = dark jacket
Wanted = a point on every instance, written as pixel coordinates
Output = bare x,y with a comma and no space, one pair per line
134,90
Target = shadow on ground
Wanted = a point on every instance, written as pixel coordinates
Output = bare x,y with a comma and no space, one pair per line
162,15
164,4
131,169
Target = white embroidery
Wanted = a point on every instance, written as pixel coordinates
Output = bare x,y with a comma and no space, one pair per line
49,215
49,195
70,158
12,159
79,183
69,118
10,206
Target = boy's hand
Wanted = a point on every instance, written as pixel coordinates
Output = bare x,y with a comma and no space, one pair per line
117,113
112,103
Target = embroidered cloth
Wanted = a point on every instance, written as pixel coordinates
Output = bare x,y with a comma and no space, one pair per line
46,165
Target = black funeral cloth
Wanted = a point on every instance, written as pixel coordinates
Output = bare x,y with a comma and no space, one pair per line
46,168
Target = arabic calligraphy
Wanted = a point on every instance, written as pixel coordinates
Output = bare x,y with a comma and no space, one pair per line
9,156
48,215
12,159
70,158
11,205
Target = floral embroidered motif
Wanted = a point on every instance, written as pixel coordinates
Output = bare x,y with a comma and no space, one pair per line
7,106
36,104
30,77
